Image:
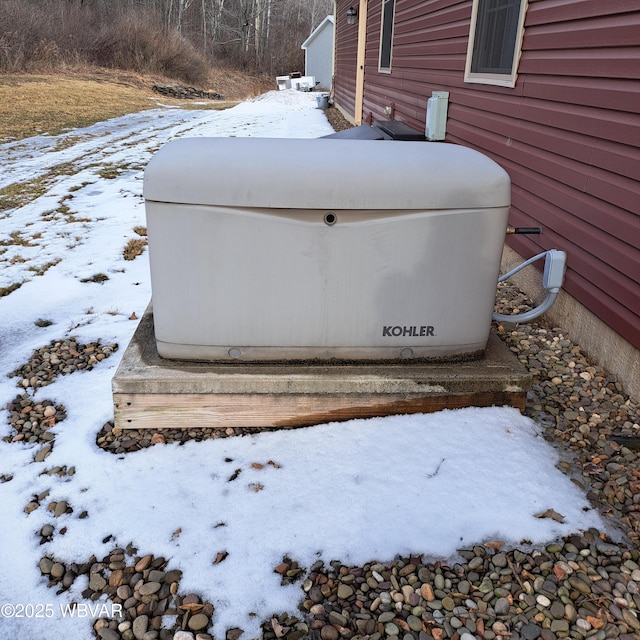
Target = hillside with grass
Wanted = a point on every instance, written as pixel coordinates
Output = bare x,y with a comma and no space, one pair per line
51,103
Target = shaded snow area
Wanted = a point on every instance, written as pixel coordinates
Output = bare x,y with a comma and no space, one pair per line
356,491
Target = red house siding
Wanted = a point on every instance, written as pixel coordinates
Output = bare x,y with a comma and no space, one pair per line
568,133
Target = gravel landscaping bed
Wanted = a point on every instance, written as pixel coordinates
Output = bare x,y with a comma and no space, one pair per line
336,119
585,586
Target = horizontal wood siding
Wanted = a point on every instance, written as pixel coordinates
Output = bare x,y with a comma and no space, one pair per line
568,133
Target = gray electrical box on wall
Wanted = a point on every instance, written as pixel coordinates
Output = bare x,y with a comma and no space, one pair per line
314,249
436,124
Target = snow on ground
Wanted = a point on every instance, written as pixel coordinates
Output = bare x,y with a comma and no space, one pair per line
356,491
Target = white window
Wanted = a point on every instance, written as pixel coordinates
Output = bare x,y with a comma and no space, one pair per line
386,35
495,40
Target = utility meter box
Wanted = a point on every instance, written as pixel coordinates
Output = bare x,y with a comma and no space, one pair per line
320,249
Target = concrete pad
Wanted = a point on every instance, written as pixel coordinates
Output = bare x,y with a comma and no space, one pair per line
150,392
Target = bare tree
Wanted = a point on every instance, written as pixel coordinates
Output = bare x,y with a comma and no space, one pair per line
263,35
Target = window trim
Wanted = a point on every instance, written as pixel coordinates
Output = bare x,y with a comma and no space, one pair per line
386,69
498,79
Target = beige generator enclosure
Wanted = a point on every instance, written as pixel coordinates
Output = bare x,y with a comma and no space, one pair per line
307,249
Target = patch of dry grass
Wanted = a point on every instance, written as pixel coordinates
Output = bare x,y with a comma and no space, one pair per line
134,248
36,104
20,193
42,269
98,278
5,291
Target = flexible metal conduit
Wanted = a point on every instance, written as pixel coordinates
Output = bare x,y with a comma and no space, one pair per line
552,280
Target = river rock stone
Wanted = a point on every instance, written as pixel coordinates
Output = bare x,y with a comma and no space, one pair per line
501,606
96,582
140,626
329,632
530,631
149,588
46,564
198,622
344,591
